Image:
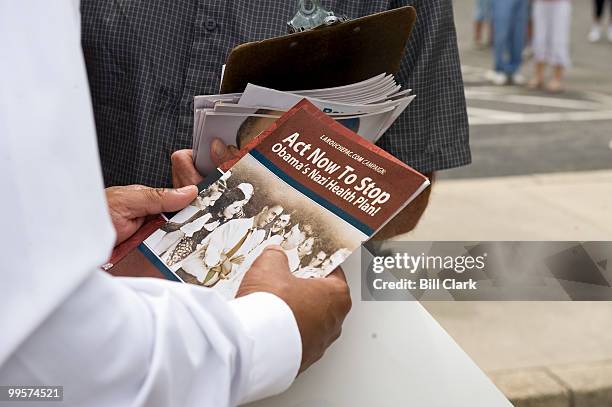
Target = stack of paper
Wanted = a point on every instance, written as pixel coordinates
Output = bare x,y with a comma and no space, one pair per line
368,108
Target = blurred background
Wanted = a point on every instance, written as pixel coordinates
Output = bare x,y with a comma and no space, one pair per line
542,170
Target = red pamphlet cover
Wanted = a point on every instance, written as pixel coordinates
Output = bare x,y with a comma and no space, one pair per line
307,183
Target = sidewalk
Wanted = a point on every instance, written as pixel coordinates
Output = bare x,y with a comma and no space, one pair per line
538,353
557,206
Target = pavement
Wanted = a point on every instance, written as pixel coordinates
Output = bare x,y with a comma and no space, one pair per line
542,170
515,131
538,353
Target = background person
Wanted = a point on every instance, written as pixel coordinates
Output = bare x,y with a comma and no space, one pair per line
552,26
482,23
598,25
509,18
147,60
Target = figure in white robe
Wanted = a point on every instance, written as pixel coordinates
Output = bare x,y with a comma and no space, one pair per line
223,252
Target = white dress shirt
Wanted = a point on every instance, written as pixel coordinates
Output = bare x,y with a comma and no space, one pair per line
226,237
109,341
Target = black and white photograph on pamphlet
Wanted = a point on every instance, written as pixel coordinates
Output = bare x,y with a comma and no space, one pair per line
256,210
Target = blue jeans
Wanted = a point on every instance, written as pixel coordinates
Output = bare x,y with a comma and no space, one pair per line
509,19
482,11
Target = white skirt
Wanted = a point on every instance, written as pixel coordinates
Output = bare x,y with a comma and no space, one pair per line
551,31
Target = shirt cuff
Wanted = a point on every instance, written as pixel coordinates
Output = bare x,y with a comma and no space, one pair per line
277,346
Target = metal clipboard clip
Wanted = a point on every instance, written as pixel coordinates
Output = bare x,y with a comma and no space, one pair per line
315,16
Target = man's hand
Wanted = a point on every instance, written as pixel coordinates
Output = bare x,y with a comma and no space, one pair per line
129,205
318,304
183,170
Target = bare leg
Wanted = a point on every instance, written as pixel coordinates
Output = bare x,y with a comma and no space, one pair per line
478,32
538,76
555,85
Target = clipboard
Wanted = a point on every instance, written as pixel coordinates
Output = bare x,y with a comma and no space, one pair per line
329,56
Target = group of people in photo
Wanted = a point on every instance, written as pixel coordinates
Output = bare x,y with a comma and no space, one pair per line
214,241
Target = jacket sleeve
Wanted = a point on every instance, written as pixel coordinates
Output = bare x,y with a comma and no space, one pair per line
149,342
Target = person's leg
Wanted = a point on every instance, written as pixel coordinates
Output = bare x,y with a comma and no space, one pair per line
595,33
599,7
478,32
478,21
529,34
539,71
610,22
560,15
556,83
540,36
488,25
520,15
500,18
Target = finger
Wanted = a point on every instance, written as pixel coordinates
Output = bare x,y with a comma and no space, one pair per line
181,154
142,201
272,258
220,152
184,171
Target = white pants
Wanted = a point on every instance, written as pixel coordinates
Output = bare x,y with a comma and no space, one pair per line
551,31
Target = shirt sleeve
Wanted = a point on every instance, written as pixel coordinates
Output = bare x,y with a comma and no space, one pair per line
433,133
265,318
150,342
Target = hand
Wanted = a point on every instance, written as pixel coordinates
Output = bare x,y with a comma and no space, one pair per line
184,171
318,304
129,205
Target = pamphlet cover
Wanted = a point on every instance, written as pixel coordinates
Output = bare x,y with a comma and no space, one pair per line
306,183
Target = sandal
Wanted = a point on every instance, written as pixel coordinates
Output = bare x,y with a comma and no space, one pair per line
534,84
554,86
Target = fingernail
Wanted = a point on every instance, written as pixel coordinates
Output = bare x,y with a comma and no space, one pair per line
218,147
187,189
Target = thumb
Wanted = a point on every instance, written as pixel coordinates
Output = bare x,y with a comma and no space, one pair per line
142,201
272,260
220,152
